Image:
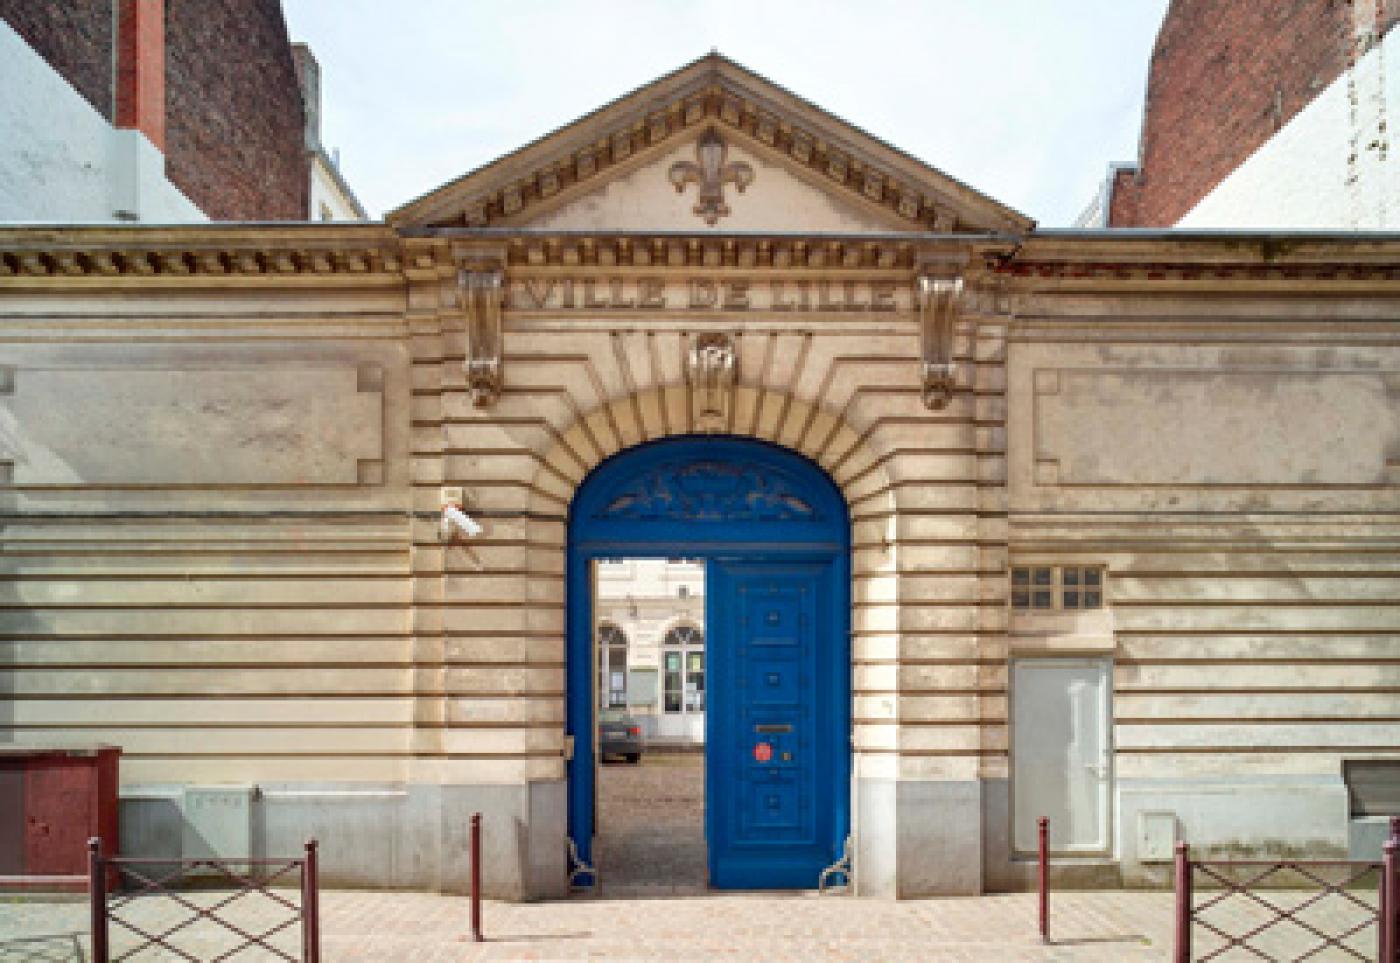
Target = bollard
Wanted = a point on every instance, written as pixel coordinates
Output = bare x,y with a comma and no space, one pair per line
476,877
1183,904
310,906
1044,826
1390,899
97,900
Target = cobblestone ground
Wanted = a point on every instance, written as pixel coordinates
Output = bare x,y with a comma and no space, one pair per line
652,905
651,827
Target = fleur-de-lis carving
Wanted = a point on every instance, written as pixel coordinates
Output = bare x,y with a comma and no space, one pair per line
711,172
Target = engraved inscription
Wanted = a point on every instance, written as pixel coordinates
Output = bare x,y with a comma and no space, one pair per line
699,294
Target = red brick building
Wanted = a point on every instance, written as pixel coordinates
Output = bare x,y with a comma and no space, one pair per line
212,84
1225,77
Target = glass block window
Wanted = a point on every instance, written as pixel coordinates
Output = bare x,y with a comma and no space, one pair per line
1049,588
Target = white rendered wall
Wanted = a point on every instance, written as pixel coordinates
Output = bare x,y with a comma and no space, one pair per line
61,161
325,191
1301,177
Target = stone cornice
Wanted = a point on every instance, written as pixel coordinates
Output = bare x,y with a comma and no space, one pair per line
777,251
1233,247
235,253
1106,258
348,253
711,92
198,252
1212,271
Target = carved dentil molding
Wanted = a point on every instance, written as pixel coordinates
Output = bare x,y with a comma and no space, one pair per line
1178,271
701,251
190,261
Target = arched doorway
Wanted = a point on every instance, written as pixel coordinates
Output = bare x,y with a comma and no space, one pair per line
774,534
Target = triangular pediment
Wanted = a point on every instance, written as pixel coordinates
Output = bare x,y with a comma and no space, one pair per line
712,146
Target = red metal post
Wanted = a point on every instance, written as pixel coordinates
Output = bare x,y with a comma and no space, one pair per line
1390,898
1044,826
476,877
310,906
1183,904
97,900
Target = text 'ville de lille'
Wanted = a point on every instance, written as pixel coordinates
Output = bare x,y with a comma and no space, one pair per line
704,294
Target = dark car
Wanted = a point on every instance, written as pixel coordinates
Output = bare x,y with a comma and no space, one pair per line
619,735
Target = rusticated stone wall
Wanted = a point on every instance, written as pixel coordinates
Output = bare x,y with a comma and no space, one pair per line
221,550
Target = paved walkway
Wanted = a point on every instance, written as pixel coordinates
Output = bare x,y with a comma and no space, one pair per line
421,928
652,905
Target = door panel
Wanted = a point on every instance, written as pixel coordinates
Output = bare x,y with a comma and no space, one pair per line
1061,755
752,510
769,811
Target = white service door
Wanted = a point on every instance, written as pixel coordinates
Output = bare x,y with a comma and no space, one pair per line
1060,753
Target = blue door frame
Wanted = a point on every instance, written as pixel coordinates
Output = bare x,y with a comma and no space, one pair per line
742,506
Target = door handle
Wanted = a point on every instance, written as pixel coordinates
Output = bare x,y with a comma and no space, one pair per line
1100,770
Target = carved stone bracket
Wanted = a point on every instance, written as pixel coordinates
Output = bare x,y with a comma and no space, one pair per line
710,371
940,306
481,293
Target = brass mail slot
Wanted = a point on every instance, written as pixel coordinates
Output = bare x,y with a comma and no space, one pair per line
773,727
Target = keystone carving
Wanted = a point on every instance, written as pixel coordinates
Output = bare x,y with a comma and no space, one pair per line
711,172
940,306
710,371
481,301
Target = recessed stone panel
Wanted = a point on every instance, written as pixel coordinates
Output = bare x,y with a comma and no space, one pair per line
214,426
1163,426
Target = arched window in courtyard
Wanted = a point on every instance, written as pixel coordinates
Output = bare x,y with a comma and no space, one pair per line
612,667
683,652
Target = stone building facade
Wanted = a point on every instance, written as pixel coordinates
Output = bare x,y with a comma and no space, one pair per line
1122,537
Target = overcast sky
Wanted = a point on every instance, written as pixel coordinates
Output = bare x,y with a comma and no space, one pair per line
1025,100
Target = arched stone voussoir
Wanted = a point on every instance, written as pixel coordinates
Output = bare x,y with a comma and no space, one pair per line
766,414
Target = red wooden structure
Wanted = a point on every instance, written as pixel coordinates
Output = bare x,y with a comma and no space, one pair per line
52,799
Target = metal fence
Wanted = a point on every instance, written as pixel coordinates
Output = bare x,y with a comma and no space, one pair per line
1288,909
124,890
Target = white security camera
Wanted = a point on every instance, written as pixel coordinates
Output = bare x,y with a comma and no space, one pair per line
454,518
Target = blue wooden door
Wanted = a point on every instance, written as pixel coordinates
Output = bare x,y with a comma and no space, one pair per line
775,534
770,763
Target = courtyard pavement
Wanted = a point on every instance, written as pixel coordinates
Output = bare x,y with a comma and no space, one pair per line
652,905
377,926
